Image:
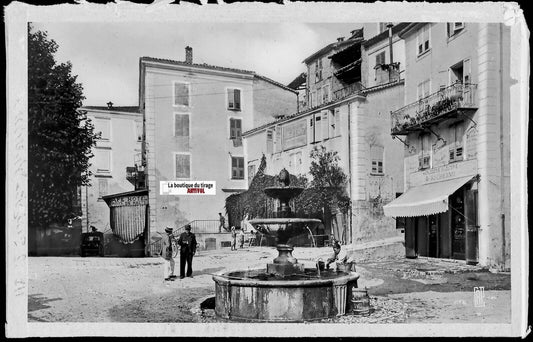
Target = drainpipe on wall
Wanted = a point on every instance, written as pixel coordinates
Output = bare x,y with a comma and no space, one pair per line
502,164
389,25
350,171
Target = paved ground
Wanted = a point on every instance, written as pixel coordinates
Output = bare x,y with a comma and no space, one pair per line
75,289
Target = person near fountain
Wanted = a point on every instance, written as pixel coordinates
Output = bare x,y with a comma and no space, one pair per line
339,256
233,238
187,242
222,221
241,238
167,254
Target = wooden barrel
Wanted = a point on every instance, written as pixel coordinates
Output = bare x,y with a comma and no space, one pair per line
360,301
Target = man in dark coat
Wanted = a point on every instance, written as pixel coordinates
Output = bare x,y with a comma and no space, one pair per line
187,242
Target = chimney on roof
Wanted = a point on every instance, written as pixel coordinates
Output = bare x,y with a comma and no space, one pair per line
340,39
188,55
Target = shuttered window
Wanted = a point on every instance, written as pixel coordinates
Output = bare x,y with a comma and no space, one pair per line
181,94
422,39
181,125
454,28
237,167
234,99
183,165
270,142
235,128
376,156
103,160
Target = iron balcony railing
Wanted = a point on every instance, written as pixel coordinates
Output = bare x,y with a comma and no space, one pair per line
433,107
346,91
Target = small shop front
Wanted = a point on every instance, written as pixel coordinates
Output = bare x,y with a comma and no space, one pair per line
128,218
440,210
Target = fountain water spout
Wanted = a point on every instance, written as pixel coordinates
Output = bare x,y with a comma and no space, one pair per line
319,265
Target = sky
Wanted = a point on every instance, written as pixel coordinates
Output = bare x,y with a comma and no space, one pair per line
105,56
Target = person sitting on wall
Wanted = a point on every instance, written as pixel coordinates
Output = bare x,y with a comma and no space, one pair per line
340,257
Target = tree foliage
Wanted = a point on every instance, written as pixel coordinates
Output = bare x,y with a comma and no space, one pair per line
60,137
326,190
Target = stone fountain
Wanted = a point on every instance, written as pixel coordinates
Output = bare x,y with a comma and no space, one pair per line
285,291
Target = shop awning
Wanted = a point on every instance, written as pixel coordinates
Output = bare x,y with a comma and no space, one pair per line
425,200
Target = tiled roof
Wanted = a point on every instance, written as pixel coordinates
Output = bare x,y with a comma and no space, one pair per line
204,65
128,109
335,45
214,67
298,81
385,34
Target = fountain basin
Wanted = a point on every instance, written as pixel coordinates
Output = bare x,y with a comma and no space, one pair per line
255,295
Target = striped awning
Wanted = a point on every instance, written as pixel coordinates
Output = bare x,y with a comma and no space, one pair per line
427,199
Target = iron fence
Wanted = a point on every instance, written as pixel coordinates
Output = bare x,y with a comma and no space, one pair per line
445,100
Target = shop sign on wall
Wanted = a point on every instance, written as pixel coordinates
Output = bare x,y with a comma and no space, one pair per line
445,172
471,143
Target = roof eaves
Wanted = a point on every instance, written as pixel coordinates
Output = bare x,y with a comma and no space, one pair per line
266,79
408,29
331,47
194,65
385,34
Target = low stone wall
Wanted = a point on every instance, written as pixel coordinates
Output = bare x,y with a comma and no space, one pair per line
209,241
390,251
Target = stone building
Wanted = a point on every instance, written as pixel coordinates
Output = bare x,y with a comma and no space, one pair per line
118,148
455,125
194,116
347,110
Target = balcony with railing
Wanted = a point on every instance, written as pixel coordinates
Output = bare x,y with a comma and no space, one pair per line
347,91
449,102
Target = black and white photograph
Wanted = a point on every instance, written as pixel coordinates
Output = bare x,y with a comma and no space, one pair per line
267,170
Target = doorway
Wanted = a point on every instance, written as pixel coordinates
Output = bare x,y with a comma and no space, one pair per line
458,224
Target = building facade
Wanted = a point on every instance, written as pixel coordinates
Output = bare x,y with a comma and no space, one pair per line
455,125
118,148
194,116
347,116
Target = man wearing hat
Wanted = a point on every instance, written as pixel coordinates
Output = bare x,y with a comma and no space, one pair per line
167,254
187,242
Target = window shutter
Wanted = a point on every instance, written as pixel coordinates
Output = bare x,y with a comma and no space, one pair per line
318,127
237,94
277,143
269,142
238,128
181,122
181,94
183,166
325,124
337,122
467,70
